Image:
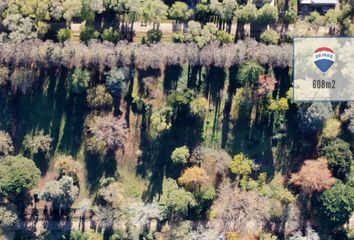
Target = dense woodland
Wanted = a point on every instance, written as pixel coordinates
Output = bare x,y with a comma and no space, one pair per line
194,135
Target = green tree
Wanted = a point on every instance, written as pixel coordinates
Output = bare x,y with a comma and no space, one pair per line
267,14
72,8
154,11
17,175
337,204
250,72
242,166
245,14
175,201
79,80
6,146
339,157
180,12
180,155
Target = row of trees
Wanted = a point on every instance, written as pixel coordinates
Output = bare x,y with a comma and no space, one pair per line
38,53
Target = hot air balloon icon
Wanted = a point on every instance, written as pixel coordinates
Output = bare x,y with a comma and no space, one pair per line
324,57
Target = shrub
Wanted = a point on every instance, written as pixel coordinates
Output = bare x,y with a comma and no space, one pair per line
63,35
180,155
79,80
98,98
270,36
6,146
178,37
110,35
153,36
224,37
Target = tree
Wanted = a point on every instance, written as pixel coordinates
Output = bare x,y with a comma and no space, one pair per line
337,204
215,163
348,116
112,194
20,28
17,175
266,85
79,80
154,11
105,133
115,81
180,155
66,165
194,178
249,73
339,157
99,98
8,218
6,146
270,36
314,176
245,14
61,193
314,116
71,9
175,201
180,12
37,144
267,14
281,104
332,128
236,210
310,234
242,166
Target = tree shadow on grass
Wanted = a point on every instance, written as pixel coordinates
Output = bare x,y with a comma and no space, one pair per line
98,166
76,111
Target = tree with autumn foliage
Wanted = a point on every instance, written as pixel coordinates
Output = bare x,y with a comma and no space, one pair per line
194,178
266,85
314,176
